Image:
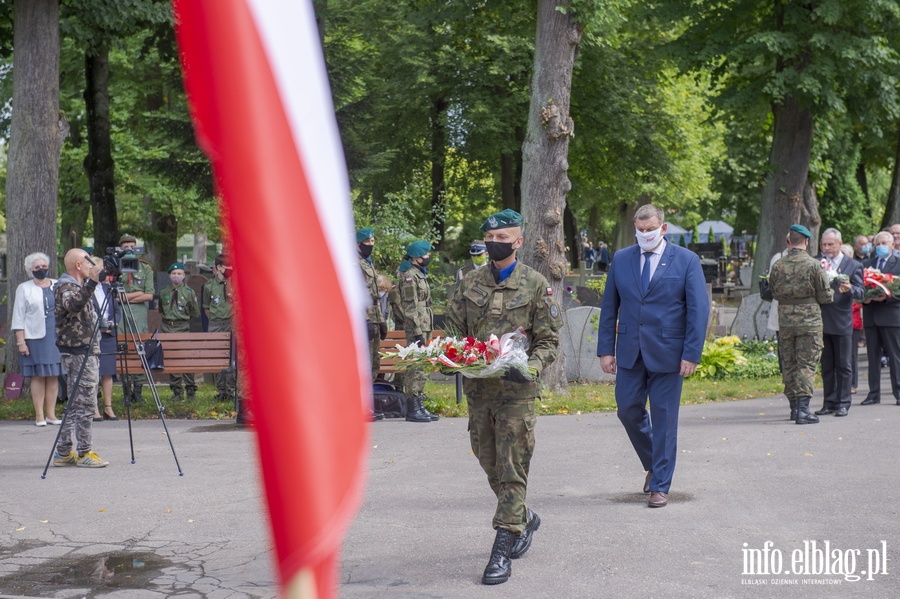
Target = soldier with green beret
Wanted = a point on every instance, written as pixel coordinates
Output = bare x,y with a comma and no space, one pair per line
500,298
800,285
415,298
139,289
177,306
376,326
217,300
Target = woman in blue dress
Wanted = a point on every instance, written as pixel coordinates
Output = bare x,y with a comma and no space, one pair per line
34,325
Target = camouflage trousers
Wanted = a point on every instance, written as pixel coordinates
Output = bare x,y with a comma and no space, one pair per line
179,382
800,356
80,410
502,435
374,348
225,383
414,379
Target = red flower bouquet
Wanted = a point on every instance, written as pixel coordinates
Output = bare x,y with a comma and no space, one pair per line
879,284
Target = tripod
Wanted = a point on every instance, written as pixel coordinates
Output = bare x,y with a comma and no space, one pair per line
117,293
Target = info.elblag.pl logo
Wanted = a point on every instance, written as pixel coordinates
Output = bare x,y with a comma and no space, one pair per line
818,559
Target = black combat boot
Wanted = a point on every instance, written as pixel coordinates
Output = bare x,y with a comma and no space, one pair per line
499,565
244,415
191,394
424,409
803,414
138,398
523,543
414,410
793,409
177,394
127,392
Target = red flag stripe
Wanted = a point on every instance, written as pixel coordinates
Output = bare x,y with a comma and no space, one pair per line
299,293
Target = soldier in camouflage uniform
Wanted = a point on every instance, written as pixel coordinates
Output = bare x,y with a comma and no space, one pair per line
415,298
218,303
799,284
376,326
139,289
75,322
498,299
177,306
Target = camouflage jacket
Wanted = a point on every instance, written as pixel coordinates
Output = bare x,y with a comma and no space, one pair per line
799,284
75,315
217,299
480,307
415,297
396,308
178,303
373,312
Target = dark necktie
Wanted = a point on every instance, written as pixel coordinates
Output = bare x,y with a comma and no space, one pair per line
645,273
880,264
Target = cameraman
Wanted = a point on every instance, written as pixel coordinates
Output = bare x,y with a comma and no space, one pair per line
139,290
78,350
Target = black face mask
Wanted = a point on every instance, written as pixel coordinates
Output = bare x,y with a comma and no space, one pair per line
499,251
40,274
365,250
425,262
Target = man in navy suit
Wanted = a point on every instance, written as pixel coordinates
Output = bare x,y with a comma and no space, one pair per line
657,293
881,319
837,325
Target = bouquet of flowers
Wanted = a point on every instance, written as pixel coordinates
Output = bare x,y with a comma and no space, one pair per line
832,274
468,356
879,284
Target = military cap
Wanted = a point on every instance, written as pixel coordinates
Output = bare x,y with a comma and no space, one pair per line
127,237
502,220
477,247
365,234
802,230
417,249
176,266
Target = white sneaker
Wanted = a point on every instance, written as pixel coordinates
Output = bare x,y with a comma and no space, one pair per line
40,423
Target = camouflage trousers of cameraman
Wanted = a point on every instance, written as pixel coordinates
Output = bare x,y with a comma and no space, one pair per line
80,410
502,435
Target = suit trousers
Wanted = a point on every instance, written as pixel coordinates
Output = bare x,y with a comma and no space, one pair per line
888,339
837,370
854,358
653,435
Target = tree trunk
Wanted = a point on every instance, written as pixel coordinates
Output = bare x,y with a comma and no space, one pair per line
162,247
74,213
99,163
892,209
573,239
624,233
545,182
438,166
37,131
862,179
511,176
787,196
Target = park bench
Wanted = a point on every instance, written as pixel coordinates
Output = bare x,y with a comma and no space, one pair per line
185,353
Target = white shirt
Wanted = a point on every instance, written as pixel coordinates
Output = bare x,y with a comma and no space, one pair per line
654,259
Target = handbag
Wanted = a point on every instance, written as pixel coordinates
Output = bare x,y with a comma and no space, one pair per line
765,292
12,388
153,350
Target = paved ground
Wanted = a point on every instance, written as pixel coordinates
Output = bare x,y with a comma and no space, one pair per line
745,475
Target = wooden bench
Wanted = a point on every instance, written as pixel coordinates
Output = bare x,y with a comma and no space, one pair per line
184,353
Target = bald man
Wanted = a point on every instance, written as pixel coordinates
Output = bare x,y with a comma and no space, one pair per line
75,327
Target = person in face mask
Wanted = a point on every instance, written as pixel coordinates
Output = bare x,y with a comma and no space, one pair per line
862,249
478,257
376,325
217,300
34,328
140,287
177,306
881,321
415,297
501,298
652,327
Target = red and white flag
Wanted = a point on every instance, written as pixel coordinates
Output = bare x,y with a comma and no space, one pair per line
263,113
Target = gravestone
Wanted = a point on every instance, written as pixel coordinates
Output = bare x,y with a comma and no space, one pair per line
752,318
578,342
587,296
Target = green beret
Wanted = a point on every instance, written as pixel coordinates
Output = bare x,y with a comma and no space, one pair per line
127,237
176,265
365,234
417,249
502,220
802,230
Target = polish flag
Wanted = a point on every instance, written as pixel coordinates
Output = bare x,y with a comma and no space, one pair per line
262,111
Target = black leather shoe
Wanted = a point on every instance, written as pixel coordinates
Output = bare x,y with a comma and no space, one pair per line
842,411
523,543
825,411
869,401
377,416
499,566
647,481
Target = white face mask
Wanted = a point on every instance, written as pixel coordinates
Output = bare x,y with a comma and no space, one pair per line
648,240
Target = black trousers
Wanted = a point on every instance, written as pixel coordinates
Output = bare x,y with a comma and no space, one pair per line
837,370
887,339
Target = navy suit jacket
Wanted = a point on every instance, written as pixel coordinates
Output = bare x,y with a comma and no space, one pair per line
664,326
885,313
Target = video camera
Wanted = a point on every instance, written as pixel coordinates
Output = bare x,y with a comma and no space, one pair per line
122,260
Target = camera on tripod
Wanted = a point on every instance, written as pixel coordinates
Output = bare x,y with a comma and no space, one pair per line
121,260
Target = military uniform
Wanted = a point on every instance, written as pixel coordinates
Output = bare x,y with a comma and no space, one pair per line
501,412
218,302
415,298
138,281
374,317
799,284
177,306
